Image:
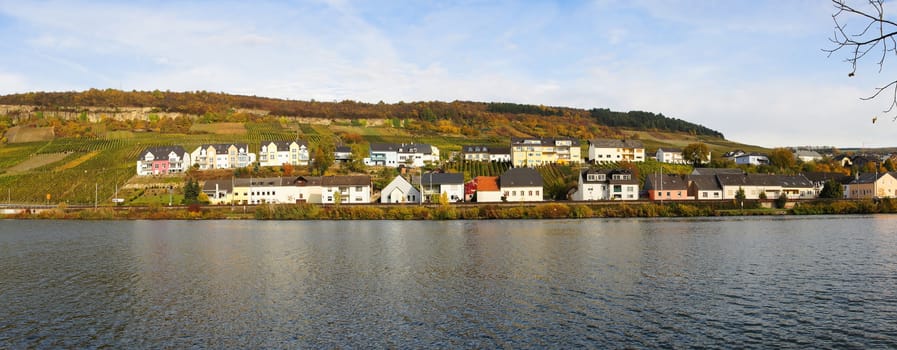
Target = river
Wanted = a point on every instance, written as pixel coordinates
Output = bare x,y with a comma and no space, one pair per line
764,282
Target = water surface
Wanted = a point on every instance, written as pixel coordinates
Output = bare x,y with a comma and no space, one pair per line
819,282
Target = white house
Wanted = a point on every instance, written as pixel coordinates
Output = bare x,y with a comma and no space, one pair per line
771,186
807,155
163,160
606,184
351,189
521,185
394,155
222,156
752,159
342,154
486,153
435,184
670,155
486,189
400,190
277,153
705,187
612,150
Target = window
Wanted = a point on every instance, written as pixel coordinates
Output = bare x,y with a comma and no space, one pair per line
358,189
704,194
530,193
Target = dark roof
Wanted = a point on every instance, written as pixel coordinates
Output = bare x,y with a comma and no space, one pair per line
520,177
666,181
439,179
705,182
223,185
163,151
541,141
346,180
485,149
714,171
633,180
763,180
614,143
670,150
868,178
222,147
343,149
821,176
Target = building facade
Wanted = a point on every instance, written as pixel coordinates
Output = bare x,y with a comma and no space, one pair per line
530,152
612,150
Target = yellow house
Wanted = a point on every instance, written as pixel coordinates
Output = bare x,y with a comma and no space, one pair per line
870,185
530,152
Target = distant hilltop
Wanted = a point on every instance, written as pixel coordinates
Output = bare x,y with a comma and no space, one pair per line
95,104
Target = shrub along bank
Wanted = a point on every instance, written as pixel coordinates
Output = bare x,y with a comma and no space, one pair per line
552,210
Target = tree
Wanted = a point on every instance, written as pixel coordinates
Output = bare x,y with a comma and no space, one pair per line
696,154
871,34
191,192
782,158
739,195
781,201
323,157
832,189
889,165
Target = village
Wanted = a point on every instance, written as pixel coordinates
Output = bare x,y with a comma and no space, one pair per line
421,180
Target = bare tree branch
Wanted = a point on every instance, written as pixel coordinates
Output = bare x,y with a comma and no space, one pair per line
875,33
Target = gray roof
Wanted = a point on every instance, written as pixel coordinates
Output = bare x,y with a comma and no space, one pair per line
763,180
670,150
614,143
222,147
223,185
822,176
163,151
343,149
670,182
807,153
868,178
714,171
346,180
633,180
542,141
428,179
520,177
705,182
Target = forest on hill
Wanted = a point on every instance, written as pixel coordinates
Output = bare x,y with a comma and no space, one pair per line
474,115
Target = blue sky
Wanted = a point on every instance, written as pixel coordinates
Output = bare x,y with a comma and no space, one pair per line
753,70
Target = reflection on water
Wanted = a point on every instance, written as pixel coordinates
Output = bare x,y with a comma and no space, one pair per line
733,282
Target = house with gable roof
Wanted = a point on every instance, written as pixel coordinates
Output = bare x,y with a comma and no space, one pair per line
277,153
667,187
485,189
705,186
162,160
436,183
872,185
222,156
399,190
606,184
521,185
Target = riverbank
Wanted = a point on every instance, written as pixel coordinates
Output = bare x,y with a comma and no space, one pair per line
552,210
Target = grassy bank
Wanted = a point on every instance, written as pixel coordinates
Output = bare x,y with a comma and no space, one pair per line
467,212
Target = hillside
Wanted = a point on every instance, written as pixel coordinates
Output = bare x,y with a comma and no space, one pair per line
65,144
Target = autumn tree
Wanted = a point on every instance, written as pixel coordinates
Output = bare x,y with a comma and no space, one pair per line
696,154
323,157
782,158
864,32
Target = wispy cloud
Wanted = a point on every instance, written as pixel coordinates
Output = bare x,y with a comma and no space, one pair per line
750,69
